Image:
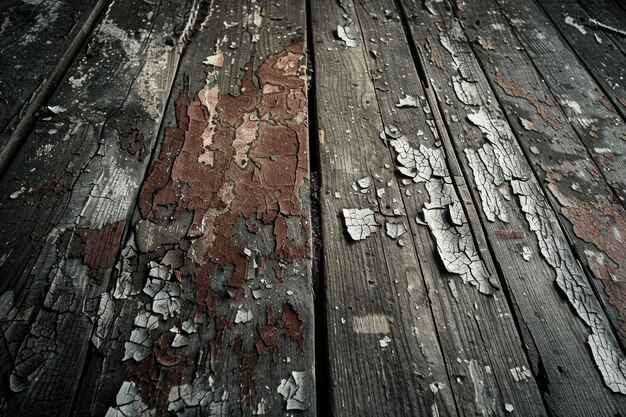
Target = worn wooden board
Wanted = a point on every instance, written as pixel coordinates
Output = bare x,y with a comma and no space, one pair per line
569,340
588,109
64,217
606,18
473,331
601,56
495,355
222,226
591,213
38,42
384,355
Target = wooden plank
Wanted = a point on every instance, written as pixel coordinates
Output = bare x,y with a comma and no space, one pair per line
603,59
222,225
576,356
606,18
38,42
68,196
559,157
474,332
588,110
373,287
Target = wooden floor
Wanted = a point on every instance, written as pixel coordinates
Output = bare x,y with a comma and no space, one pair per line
312,208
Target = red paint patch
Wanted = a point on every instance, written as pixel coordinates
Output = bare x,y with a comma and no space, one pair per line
290,321
102,246
514,89
510,234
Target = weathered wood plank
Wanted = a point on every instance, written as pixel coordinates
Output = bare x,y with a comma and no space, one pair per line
588,110
490,340
575,355
466,338
591,212
602,58
69,194
606,18
384,355
222,226
38,42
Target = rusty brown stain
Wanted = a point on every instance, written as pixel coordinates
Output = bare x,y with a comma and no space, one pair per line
267,183
510,234
514,89
131,139
231,157
603,224
247,375
102,246
435,55
270,337
292,323
607,103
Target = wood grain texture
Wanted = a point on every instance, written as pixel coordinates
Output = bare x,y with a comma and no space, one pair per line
588,206
480,373
64,217
603,58
38,42
374,288
211,309
591,113
516,214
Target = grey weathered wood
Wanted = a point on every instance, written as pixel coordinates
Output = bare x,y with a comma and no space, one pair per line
374,288
588,110
68,196
473,331
246,361
603,59
609,16
38,42
457,309
590,211
516,214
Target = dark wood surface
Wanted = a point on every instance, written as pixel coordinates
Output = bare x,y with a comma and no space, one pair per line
167,250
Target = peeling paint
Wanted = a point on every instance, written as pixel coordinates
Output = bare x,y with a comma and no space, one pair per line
296,391
444,214
349,34
360,223
513,89
569,277
500,145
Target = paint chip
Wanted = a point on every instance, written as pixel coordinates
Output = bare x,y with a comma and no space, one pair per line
384,342
395,230
361,223
349,34
17,193
407,101
520,373
243,315
295,391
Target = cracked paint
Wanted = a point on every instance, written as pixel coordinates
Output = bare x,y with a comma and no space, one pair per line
223,217
360,223
296,391
602,223
444,214
501,151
